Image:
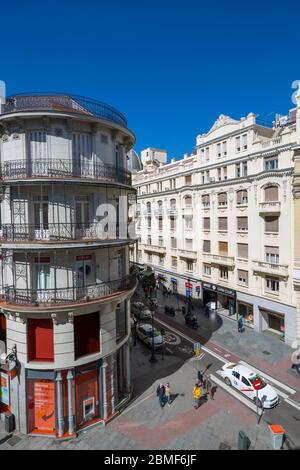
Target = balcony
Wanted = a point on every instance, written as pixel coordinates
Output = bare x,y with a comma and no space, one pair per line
172,211
68,295
61,232
270,208
63,169
296,276
219,260
273,269
188,254
65,103
154,248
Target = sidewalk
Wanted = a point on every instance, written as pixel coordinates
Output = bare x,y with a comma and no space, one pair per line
144,425
261,350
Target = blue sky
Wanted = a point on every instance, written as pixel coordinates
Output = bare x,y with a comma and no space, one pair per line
170,66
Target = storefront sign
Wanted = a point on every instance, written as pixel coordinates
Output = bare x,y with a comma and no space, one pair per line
173,280
4,388
219,289
83,258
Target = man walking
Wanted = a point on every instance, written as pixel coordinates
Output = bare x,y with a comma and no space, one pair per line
160,392
196,395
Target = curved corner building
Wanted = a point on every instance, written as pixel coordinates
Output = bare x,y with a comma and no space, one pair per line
65,277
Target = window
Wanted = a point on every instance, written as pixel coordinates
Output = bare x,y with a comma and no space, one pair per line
148,207
245,168
238,144
160,223
40,340
121,321
86,334
244,140
223,273
188,180
206,223
207,153
173,243
160,260
272,284
219,174
173,204
205,200
206,246
189,244
242,250
242,197
222,199
236,374
188,222
242,224
238,170
174,262
271,163
160,241
223,248
271,193
225,148
272,254
207,269
189,265
271,224
172,223
2,328
149,240
246,382
225,172
149,258
149,222
243,277
188,201
104,139
219,150
140,255
223,224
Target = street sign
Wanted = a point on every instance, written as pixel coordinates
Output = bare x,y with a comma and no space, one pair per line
197,349
188,285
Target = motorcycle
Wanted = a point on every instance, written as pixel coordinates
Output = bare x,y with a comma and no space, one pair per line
191,320
169,311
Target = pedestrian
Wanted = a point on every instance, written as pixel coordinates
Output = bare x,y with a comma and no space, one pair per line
208,387
207,311
168,394
296,360
212,392
200,377
196,395
160,392
183,310
241,328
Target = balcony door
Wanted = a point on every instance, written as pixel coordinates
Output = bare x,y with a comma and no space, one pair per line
85,273
38,163
82,154
41,217
42,278
82,215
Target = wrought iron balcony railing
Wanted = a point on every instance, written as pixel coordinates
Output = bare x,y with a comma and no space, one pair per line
63,102
55,232
59,168
69,294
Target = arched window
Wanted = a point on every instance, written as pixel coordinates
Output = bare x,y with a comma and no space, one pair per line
173,204
205,200
271,193
188,201
242,197
149,207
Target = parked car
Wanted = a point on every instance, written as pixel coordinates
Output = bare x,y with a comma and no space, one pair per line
145,333
250,384
145,314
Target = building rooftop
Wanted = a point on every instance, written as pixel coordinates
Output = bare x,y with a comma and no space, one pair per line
62,102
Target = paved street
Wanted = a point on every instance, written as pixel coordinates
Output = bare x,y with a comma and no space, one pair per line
143,425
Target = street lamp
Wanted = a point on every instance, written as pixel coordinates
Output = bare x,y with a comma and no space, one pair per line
153,357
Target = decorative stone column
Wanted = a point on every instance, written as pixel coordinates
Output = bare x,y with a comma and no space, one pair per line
104,394
112,383
70,403
60,417
128,366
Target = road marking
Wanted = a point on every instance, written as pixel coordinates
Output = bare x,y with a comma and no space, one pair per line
293,403
221,359
233,393
288,389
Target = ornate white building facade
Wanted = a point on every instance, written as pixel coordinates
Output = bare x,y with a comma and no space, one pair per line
219,224
64,268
